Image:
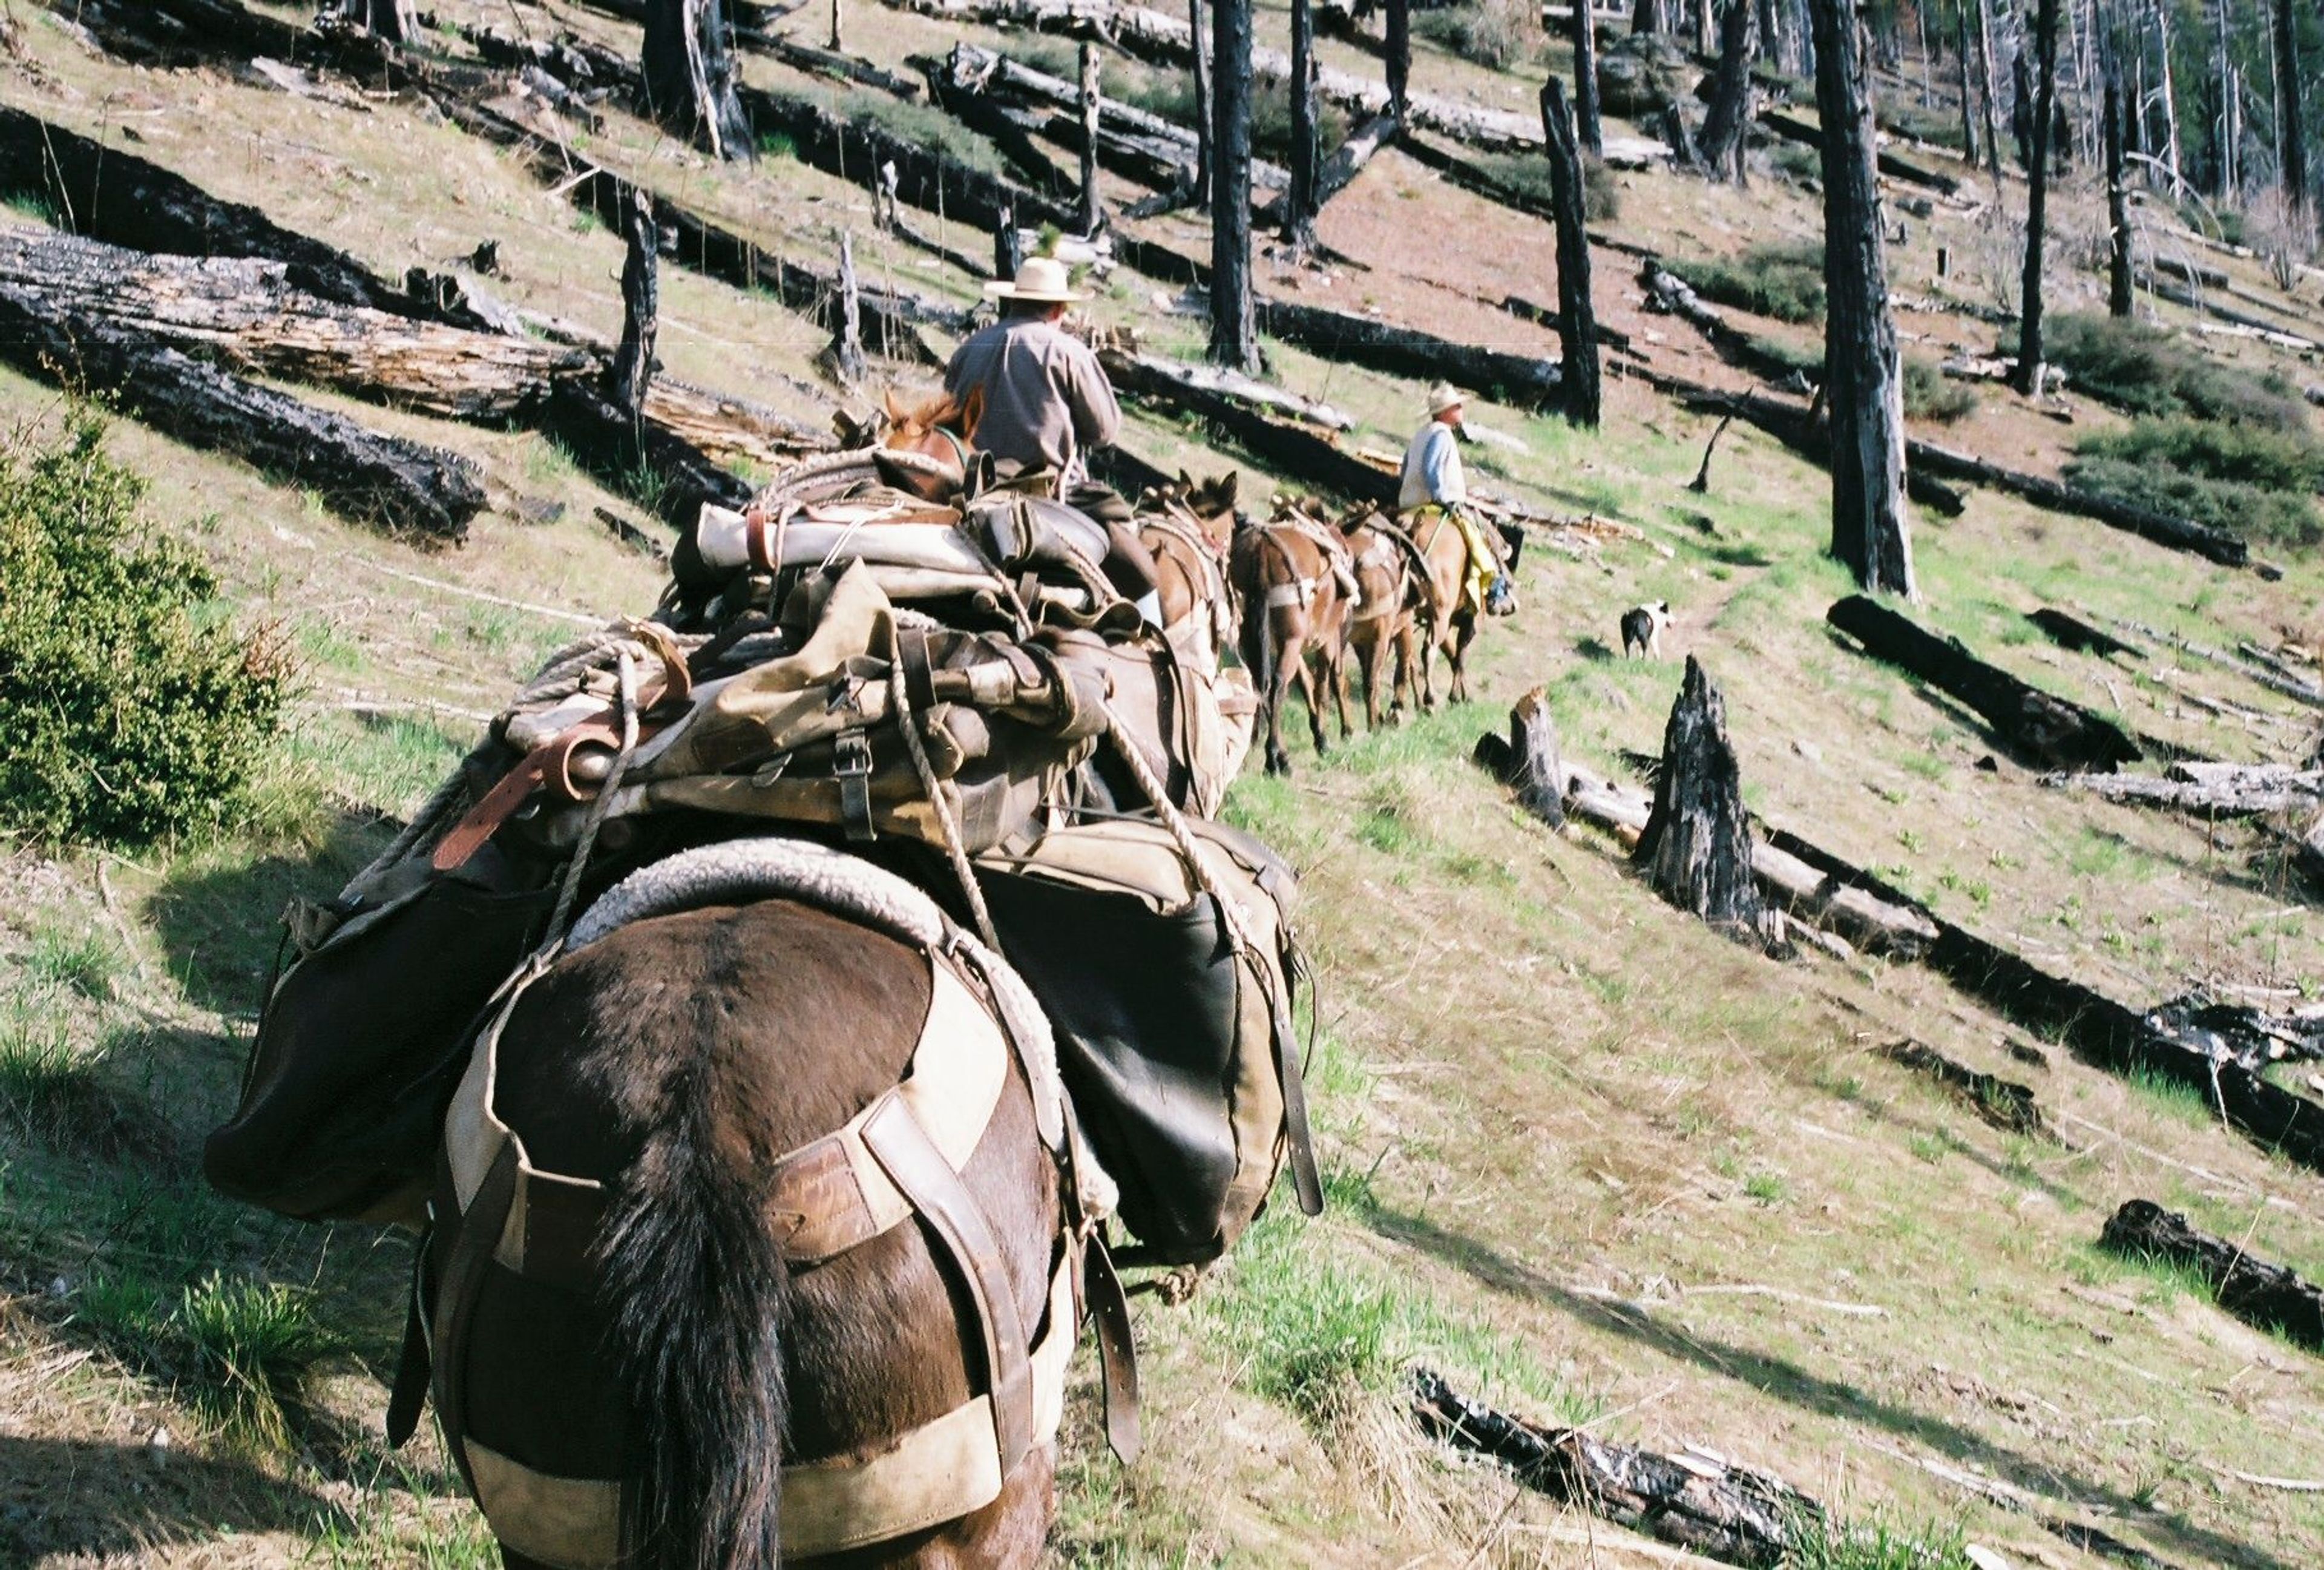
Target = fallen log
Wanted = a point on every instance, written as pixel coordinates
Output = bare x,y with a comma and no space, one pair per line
1149,372
2273,676
2180,533
2254,1290
2005,1103
1792,128
2052,731
1700,1502
2212,789
1527,760
1670,295
2070,631
1339,171
1695,849
359,474
2094,1027
1153,35
1297,449
2239,1031
2275,332
1520,380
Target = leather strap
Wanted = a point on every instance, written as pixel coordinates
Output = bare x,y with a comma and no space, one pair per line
917,1167
851,770
456,1303
409,1394
1304,1177
920,681
1117,1348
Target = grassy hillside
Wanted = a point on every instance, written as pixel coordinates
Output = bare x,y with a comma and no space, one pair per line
1583,1154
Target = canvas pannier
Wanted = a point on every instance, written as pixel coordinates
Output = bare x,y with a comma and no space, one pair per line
364,1036
1172,1015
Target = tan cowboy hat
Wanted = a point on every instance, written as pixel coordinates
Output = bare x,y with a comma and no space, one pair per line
1442,397
1041,280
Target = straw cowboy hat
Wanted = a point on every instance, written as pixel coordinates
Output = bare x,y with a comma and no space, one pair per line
1041,280
1442,397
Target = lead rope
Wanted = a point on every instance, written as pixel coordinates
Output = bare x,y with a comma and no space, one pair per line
947,825
599,804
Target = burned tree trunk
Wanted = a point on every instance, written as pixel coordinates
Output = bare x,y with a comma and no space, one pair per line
2050,731
2002,1103
634,361
1234,326
1989,92
1585,80
1696,846
1205,156
847,362
1092,207
1527,760
689,66
1731,93
1728,1513
2252,1289
1577,320
1007,246
1299,203
1968,86
392,20
2028,379
2118,280
2291,124
1861,372
1397,56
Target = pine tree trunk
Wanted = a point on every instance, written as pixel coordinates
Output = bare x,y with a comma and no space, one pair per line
2291,125
1577,319
1645,17
2028,379
1204,160
689,75
1093,207
838,29
634,361
1234,330
392,20
1967,88
1585,80
1398,54
1989,90
847,362
1731,93
2172,154
1299,202
2118,281
1860,362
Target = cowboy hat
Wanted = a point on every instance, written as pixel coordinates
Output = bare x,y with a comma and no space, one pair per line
1041,280
1442,397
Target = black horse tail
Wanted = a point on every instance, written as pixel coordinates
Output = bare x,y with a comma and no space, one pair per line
698,1291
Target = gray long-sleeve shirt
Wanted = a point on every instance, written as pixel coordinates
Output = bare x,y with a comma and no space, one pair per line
1046,401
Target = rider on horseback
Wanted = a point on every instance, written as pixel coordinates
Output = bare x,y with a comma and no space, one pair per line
1432,482
1047,402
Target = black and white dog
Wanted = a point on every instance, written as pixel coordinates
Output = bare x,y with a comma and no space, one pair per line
1642,629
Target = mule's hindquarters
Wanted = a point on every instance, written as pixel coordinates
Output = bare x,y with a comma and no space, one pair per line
665,1332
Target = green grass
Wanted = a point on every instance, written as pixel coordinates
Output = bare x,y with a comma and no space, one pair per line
2141,369
1784,282
78,959
1874,1542
2172,1098
240,1352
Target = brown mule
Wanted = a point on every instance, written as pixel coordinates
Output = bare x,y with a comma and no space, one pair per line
681,1339
1380,626
1186,527
1447,625
942,428
1294,627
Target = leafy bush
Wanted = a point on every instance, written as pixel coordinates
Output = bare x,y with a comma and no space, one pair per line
1784,282
1929,394
2252,512
241,1351
2250,455
1494,33
130,710
1526,177
2143,370
1171,95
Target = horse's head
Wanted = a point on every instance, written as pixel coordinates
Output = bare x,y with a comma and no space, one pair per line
1210,503
938,428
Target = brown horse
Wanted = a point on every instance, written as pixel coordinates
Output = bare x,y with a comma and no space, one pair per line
1447,624
942,428
678,1338
1380,626
1294,624
1187,526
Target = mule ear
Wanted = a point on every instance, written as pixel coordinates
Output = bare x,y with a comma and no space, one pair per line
1226,488
895,411
1186,487
972,411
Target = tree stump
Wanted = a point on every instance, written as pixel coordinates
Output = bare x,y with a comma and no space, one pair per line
1527,760
1696,848
847,362
634,361
1396,52
689,75
2252,1289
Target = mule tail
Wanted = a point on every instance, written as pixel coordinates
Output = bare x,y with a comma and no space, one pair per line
698,1291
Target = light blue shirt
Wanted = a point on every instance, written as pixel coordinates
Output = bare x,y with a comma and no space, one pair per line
1432,470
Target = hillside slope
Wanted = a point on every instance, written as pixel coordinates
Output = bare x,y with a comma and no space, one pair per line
1583,1153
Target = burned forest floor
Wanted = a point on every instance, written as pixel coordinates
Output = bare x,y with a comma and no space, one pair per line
1583,1154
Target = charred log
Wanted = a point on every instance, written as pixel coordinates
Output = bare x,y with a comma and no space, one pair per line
2050,731
2005,1103
1792,128
1527,759
2070,631
1696,846
2209,790
2249,1287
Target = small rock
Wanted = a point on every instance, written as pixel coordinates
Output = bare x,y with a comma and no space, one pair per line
157,1446
60,1288
1984,1558
1989,764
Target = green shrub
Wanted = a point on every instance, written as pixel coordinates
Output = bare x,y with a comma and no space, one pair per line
2250,455
239,1351
1494,33
1526,177
2254,514
1171,95
1929,394
1784,282
2143,370
130,709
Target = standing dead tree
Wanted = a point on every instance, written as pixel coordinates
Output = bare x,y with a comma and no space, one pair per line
1200,69
1722,144
632,369
689,69
2028,378
1987,92
1300,202
1398,55
1234,326
396,20
1585,79
2118,278
2290,127
1527,759
1577,319
847,361
1092,205
1696,846
1861,374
